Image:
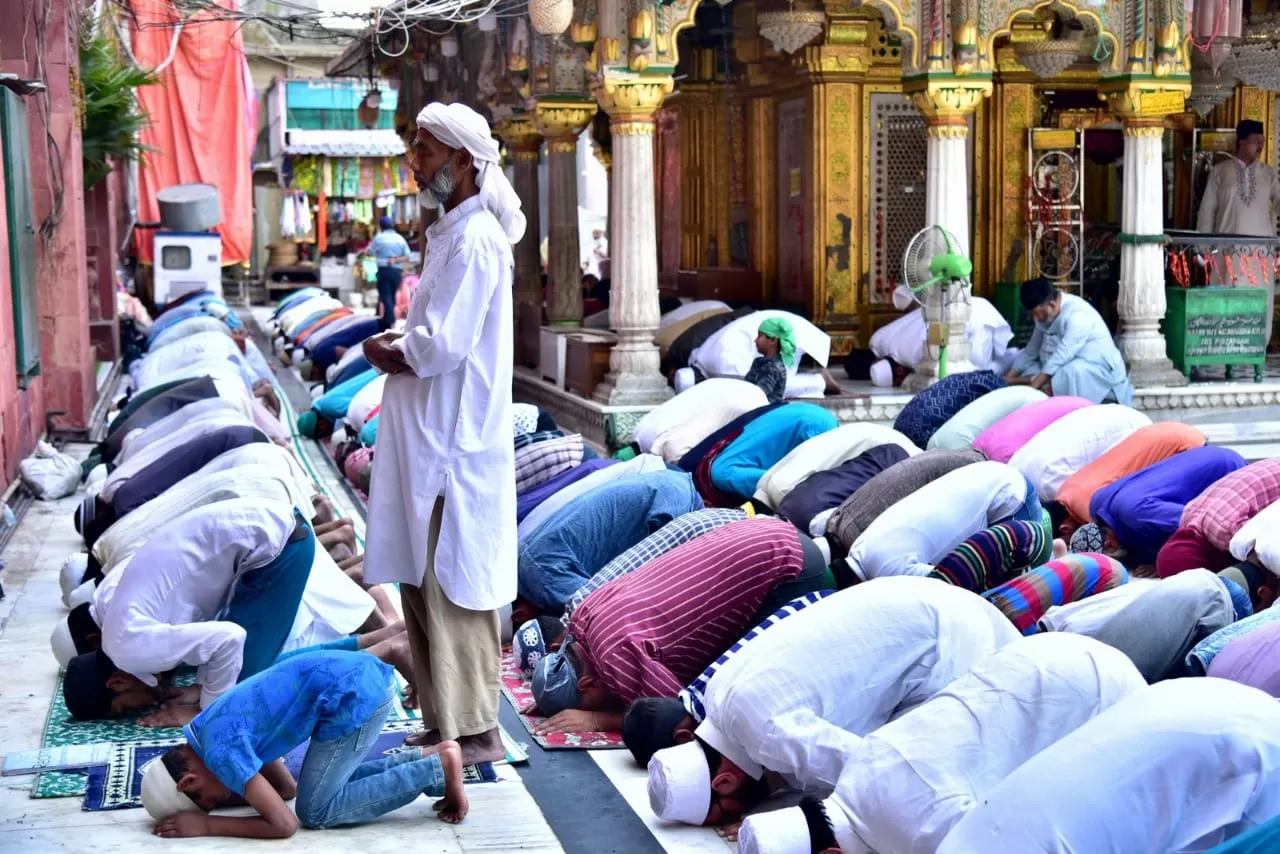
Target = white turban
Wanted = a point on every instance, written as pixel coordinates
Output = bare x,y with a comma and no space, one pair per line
460,127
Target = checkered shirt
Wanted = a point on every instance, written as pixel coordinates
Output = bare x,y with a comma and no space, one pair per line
538,463
1222,509
677,532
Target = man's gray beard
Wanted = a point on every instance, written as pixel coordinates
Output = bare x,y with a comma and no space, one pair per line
439,188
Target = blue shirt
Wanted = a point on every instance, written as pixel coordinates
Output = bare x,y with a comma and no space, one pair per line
388,244
315,694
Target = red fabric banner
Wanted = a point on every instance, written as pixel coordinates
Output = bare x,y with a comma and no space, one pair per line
203,116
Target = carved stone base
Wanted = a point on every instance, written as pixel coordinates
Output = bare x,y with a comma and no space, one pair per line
1155,373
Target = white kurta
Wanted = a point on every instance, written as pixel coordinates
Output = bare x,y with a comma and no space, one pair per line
1179,766
445,427
822,453
187,433
1260,534
1238,198
989,334
799,697
1072,442
200,411
672,429
909,782
911,536
194,349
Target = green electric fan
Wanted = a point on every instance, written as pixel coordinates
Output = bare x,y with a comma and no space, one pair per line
931,263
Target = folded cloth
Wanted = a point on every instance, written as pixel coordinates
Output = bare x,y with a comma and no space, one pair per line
1025,599
993,556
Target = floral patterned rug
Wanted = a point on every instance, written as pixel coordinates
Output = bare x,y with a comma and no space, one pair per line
520,693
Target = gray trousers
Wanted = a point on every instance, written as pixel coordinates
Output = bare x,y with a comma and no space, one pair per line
1161,626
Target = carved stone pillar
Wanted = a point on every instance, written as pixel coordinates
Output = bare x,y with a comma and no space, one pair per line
1142,302
561,122
633,377
947,104
523,142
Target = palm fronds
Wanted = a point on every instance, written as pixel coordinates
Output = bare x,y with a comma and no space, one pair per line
113,118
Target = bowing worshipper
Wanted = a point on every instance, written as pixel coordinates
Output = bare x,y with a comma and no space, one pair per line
1251,658
324,347
211,413
910,537
185,328
218,591
1086,616
677,532
158,468
731,350
845,524
1026,598
1202,655
868,654
553,504
154,408
538,462
650,632
1071,351
333,701
671,429
903,340
736,472
776,343
365,405
1257,545
1072,442
908,783
823,453
444,456
575,543
1187,764
683,346
1006,437
189,352
1137,514
934,406
651,724
350,363
819,494
1208,523
1143,448
1159,627
528,500
962,429
319,421
700,457
993,556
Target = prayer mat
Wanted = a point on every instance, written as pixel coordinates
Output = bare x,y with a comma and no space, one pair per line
118,784
520,693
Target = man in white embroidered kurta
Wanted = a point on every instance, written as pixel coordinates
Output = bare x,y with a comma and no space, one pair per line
444,460
800,697
1180,766
1238,199
908,783
911,536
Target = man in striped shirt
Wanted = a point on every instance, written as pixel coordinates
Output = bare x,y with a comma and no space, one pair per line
651,632
1203,538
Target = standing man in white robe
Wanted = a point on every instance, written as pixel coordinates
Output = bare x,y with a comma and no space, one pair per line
444,458
1238,199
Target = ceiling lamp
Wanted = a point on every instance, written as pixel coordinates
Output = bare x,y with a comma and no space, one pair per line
1255,58
1215,26
790,30
449,46
1048,57
1208,90
550,17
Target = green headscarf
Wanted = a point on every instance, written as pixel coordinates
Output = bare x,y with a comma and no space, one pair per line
780,329
307,422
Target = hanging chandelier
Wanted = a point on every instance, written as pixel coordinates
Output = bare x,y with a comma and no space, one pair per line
790,30
1208,90
550,17
1255,58
1048,57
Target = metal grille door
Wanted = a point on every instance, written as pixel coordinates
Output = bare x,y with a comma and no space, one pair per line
1055,215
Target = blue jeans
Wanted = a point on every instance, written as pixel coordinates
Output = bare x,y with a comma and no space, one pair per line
1030,511
388,283
335,787
265,601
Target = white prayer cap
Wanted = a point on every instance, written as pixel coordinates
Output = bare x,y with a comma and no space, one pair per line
96,475
73,569
83,593
881,374
160,795
685,380
680,784
902,297
779,832
824,547
64,646
460,127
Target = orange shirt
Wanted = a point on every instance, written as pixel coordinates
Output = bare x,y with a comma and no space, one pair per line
1144,447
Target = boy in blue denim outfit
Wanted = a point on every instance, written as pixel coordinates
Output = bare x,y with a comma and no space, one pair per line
233,756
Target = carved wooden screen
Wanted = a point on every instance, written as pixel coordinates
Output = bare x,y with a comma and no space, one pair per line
898,165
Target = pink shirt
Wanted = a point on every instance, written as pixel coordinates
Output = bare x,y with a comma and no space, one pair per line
1003,439
649,633
1252,659
1222,509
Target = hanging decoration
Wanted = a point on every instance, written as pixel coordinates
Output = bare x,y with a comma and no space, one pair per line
551,17
1255,58
790,30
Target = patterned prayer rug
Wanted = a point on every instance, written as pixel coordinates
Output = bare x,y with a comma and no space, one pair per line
117,785
520,693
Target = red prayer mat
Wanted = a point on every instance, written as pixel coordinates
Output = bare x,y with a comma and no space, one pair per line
520,693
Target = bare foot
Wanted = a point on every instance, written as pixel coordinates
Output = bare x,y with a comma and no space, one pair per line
324,510
423,739
355,572
354,560
385,608
485,747
410,700
339,551
1059,549
333,525
395,651
453,807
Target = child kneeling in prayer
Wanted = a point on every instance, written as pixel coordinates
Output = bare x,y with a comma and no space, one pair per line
234,754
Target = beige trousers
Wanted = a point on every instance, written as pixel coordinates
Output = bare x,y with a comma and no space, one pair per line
457,653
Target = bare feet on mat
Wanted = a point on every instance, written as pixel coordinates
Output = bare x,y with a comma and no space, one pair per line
324,510
339,551
485,747
453,807
352,562
429,738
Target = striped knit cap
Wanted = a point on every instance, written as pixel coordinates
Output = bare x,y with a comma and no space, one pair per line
994,556
1025,599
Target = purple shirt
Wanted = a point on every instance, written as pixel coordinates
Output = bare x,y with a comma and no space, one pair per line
1253,659
527,501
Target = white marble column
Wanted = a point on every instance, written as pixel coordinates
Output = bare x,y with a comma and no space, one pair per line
947,205
634,377
1142,301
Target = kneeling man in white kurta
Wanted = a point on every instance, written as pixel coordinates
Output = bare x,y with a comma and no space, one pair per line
444,457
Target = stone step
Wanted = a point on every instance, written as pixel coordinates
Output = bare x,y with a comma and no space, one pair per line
1242,432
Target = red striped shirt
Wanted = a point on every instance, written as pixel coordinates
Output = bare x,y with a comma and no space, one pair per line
1222,509
649,633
